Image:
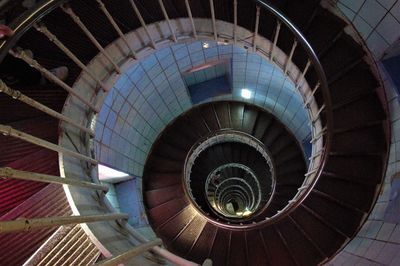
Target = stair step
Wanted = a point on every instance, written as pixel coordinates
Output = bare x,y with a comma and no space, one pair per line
357,195
303,250
278,251
159,196
201,248
220,247
188,238
160,214
318,231
344,219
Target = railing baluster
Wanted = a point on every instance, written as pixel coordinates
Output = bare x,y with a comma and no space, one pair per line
319,135
309,99
9,131
303,74
189,11
23,175
290,56
43,29
214,23
33,63
31,102
137,250
278,29
142,22
167,19
311,172
256,28
235,21
116,27
316,117
315,155
78,21
37,223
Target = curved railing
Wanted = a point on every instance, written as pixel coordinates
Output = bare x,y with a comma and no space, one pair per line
223,136
319,155
321,126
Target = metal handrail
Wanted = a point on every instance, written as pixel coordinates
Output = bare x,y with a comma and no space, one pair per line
302,41
26,21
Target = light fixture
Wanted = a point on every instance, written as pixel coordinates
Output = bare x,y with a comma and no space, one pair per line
206,45
246,93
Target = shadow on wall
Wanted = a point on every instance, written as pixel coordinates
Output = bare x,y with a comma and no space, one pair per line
392,213
392,66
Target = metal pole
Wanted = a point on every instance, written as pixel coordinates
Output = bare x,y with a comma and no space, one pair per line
137,12
33,63
189,11
278,29
9,131
290,56
17,174
78,21
176,260
15,94
116,27
303,74
235,21
256,28
117,260
43,29
37,223
167,19
214,23
311,96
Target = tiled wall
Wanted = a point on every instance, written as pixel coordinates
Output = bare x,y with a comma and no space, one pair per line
378,21
152,93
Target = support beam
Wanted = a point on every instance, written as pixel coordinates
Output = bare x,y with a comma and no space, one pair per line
214,23
189,11
276,37
168,20
23,175
43,29
33,63
119,259
256,28
116,28
290,56
9,131
38,223
85,30
235,21
31,102
139,16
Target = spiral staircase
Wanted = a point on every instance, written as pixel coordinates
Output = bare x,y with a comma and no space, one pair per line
211,162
